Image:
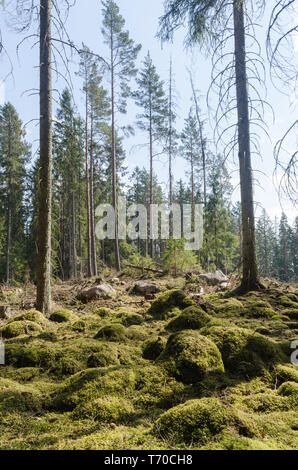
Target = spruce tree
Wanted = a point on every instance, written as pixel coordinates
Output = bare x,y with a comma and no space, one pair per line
120,68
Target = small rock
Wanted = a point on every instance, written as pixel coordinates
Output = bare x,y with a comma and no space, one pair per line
145,288
214,279
102,291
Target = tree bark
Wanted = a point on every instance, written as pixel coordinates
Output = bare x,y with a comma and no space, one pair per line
250,279
8,243
43,301
92,209
114,163
89,264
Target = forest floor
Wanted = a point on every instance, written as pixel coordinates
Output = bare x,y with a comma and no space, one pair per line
181,372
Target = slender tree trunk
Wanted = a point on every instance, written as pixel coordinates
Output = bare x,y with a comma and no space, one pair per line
8,242
114,163
92,210
192,190
250,280
74,238
43,300
151,182
89,265
171,149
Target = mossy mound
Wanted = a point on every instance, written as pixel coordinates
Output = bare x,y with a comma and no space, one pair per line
113,332
133,319
287,373
19,398
153,348
161,307
103,312
33,316
108,355
61,316
79,326
288,389
21,327
257,308
136,333
195,421
106,410
190,357
227,307
244,352
191,318
289,300
267,403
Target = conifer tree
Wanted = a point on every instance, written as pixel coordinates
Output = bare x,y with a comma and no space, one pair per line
121,68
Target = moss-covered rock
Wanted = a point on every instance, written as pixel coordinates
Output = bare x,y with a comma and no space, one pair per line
108,355
33,316
16,398
191,318
106,410
245,352
79,326
267,403
133,319
287,373
288,389
21,327
161,307
195,421
112,332
190,357
61,316
228,307
153,348
136,333
42,355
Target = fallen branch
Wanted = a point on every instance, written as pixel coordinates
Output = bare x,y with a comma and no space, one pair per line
142,268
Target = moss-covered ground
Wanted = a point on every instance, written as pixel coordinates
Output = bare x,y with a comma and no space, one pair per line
209,372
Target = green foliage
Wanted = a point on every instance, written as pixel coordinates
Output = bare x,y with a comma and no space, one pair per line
176,258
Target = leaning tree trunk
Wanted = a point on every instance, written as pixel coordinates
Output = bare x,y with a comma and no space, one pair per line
250,280
43,301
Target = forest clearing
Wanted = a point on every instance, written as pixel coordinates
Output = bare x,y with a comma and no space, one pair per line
148,225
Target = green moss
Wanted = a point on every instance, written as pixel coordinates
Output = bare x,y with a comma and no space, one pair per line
108,355
291,313
190,357
162,306
288,389
136,333
106,410
22,327
33,316
229,340
153,348
79,326
19,398
267,403
133,319
113,332
227,307
256,311
195,421
103,312
61,316
192,318
289,300
286,373
41,355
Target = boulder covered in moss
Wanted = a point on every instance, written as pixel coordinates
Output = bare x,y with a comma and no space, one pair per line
32,315
190,357
103,312
112,332
288,389
288,373
226,306
191,318
79,326
34,355
257,308
267,403
17,398
18,328
108,355
161,307
61,316
153,348
133,319
195,421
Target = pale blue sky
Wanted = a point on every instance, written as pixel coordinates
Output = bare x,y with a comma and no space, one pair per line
84,25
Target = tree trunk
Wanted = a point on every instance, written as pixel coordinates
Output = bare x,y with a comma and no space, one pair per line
43,300
92,210
74,238
250,279
89,265
170,150
8,243
114,163
151,183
